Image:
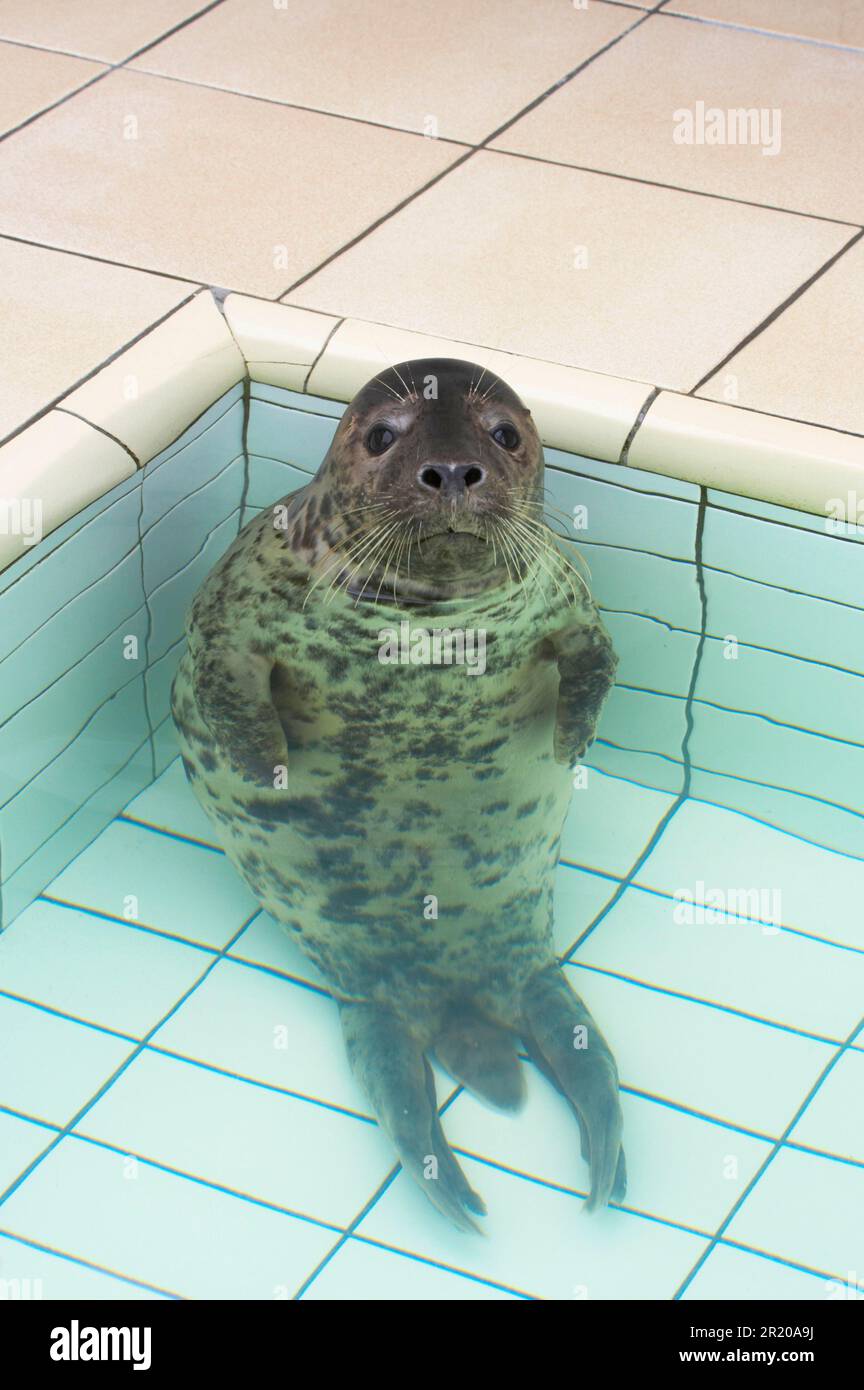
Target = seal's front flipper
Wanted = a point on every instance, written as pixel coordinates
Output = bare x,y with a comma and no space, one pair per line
483,1057
563,1038
390,1066
232,691
586,670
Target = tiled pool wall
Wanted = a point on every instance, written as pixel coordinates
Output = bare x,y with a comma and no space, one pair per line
740,628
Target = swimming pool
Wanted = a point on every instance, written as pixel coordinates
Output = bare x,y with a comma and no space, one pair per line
177,1118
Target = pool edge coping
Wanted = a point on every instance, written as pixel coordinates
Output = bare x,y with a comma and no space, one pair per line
144,397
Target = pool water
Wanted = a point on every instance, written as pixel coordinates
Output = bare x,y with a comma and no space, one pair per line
177,1118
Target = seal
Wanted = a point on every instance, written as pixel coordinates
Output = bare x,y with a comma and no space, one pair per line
388,679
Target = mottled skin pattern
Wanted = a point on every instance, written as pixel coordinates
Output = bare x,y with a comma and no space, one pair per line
349,793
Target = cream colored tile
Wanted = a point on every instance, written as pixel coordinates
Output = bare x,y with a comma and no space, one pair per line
201,183
48,473
754,455
32,79
148,395
830,21
278,342
619,115
109,29
467,68
671,283
576,410
63,315
807,363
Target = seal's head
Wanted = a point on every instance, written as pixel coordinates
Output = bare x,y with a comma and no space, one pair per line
434,480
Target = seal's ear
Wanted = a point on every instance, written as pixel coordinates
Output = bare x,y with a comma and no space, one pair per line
232,691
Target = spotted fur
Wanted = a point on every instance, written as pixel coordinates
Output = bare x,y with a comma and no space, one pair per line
405,783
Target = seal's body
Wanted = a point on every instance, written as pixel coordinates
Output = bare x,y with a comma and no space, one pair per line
398,811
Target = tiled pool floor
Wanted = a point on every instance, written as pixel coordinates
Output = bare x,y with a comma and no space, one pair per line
177,1117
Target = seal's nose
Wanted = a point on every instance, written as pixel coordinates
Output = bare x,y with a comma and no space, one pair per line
451,479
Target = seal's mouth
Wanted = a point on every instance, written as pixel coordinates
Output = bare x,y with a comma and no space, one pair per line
453,533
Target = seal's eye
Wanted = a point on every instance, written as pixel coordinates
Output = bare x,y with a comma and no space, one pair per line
379,439
506,436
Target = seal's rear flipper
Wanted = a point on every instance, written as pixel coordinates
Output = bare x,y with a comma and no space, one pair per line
483,1057
567,1045
390,1066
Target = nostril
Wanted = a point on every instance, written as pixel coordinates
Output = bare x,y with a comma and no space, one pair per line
431,477
473,476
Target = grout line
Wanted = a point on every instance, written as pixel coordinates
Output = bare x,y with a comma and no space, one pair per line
61,101
158,461
106,362
118,1071
773,415
852,50
672,187
713,1005
244,441
742,713
736,810
117,772
685,746
778,588
208,1183
613,777
775,313
621,884
732,918
273,1207
169,33
334,1107
197,285
84,1263
60,751
763,1167
107,69
87,57
108,505
260,99
193,492
624,456
53,1012
102,430
414,1257
364,1211
324,346
790,525
468,154
787,1262
153,829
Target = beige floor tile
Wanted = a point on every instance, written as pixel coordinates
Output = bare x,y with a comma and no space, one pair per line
807,363
107,29
177,371
829,21
31,79
215,187
618,116
672,282
62,316
468,67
